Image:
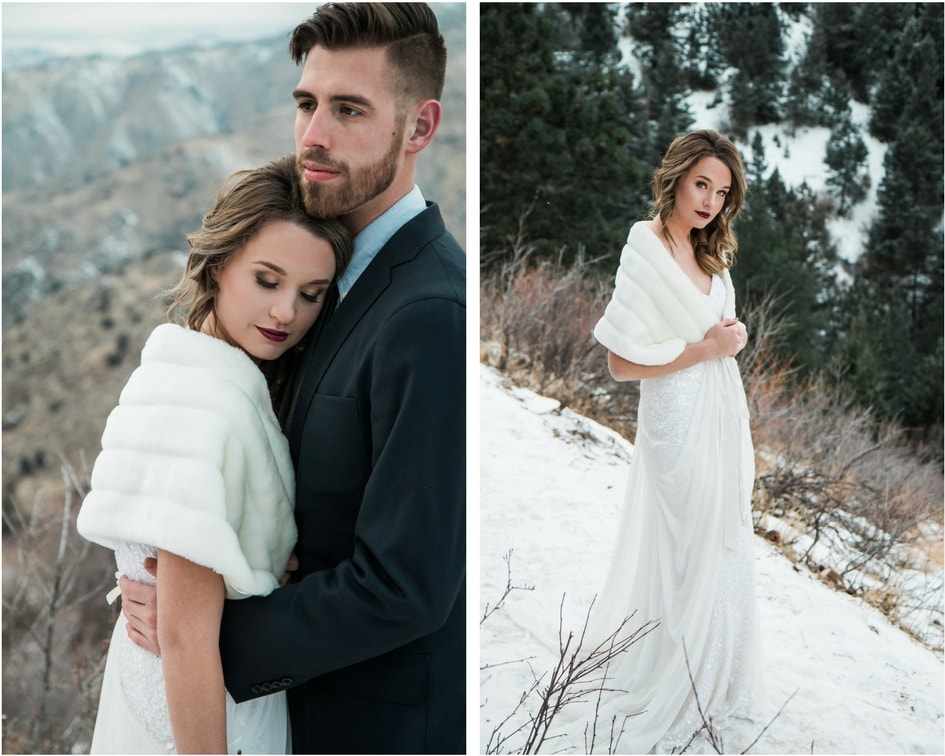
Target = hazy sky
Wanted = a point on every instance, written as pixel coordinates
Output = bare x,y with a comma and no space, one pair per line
127,28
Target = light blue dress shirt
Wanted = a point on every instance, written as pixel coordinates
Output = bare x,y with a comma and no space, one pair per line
376,234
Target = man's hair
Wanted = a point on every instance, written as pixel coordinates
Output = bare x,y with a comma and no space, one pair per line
409,31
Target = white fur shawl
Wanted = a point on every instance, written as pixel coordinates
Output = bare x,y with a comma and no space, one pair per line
193,462
655,309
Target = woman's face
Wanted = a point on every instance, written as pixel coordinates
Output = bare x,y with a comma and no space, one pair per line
700,194
271,292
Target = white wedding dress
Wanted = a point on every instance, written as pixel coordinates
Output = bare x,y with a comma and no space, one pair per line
193,462
132,714
684,558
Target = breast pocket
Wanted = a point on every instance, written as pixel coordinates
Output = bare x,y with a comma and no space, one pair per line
334,456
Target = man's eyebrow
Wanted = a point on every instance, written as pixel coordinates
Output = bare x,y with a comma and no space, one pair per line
302,94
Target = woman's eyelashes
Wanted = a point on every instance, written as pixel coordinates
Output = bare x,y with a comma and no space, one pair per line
312,298
309,296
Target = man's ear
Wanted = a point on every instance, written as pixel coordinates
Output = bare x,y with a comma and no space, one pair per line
422,125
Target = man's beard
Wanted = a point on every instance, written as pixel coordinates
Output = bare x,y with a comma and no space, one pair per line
357,186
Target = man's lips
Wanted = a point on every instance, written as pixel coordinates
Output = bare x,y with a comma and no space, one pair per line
277,336
318,172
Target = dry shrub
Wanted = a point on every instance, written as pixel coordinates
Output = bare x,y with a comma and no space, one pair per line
818,441
55,624
537,318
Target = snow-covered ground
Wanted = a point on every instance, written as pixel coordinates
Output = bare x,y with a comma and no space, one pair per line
551,487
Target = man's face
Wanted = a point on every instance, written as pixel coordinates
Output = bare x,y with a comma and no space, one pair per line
349,140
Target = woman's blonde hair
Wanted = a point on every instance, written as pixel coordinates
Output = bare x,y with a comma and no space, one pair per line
714,245
248,201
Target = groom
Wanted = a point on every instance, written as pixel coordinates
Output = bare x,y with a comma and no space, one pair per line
369,637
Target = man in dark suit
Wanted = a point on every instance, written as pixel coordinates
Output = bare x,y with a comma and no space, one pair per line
369,637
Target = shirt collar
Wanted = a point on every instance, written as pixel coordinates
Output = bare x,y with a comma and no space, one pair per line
369,241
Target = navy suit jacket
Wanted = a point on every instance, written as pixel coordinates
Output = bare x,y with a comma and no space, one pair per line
369,639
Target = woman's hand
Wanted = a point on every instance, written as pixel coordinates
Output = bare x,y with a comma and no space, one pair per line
727,337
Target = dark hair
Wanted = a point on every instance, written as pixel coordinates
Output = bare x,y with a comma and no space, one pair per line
409,31
715,244
248,201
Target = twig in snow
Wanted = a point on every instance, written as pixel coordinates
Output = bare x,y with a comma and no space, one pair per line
508,588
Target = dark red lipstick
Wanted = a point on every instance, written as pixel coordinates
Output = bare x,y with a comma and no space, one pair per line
277,336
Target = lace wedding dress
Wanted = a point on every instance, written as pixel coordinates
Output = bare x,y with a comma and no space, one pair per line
683,558
133,716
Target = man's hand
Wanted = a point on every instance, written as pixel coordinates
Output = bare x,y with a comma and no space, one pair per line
139,605
291,567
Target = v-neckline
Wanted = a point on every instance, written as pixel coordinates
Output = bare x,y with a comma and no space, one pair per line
676,262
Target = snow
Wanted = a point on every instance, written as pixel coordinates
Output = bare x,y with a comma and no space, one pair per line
551,488
799,156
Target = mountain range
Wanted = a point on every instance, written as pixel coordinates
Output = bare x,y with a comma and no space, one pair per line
107,164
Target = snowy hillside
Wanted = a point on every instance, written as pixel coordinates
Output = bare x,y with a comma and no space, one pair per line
799,158
797,154
551,489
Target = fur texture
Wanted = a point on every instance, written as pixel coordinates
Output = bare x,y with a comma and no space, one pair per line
193,462
655,309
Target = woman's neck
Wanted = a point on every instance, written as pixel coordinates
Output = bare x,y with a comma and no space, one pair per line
679,233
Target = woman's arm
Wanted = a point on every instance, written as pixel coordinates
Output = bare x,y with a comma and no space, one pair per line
190,604
725,339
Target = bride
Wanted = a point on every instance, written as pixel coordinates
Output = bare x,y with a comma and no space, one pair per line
683,555
194,468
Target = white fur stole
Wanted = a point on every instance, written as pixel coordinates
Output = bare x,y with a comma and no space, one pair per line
655,309
193,462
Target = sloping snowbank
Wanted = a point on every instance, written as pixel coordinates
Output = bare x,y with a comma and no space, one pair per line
551,489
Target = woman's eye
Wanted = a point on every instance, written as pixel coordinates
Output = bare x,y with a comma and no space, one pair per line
266,284
312,298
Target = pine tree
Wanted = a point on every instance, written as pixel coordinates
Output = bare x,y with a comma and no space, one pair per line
652,26
557,133
750,36
846,157
910,87
818,91
784,249
595,30
903,238
700,52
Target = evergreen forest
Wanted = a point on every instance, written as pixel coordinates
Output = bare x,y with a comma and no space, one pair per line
578,102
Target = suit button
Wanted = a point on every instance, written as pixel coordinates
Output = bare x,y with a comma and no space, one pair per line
257,689
286,681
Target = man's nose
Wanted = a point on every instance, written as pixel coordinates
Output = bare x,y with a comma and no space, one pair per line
316,133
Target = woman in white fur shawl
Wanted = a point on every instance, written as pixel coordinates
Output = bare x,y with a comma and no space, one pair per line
683,556
195,471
